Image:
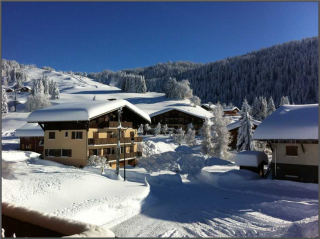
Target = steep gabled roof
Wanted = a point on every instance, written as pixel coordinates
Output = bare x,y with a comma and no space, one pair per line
230,108
290,122
236,124
195,111
82,111
30,130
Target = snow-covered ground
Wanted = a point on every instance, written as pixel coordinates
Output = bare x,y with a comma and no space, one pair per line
206,197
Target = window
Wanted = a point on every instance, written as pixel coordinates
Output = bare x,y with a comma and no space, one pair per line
51,152
131,149
292,150
76,135
66,153
66,134
52,135
106,151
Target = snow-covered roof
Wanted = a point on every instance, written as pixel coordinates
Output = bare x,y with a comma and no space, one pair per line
230,108
250,158
195,111
290,122
236,124
30,130
208,106
82,111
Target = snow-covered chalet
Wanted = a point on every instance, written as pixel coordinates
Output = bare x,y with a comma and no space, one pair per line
292,133
75,131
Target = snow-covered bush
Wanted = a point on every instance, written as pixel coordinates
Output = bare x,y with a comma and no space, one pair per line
157,130
191,137
37,101
179,137
165,129
140,130
100,161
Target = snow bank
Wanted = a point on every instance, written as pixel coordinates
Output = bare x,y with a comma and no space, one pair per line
54,223
151,147
15,156
251,158
81,111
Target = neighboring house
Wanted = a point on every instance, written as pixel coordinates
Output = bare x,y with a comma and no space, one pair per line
25,89
31,137
9,90
292,133
233,130
231,111
75,131
177,117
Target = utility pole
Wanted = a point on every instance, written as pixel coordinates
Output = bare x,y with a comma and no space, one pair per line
119,137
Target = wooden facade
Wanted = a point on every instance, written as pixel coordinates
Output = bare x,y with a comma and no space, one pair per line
34,144
177,119
231,112
74,142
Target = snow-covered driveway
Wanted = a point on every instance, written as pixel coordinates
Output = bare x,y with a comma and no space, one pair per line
199,210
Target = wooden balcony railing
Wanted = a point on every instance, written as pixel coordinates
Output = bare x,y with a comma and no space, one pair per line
128,155
97,141
114,124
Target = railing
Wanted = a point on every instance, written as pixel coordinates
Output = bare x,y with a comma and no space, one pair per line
96,141
128,155
114,124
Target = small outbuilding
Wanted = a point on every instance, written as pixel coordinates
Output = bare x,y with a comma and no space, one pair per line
252,160
231,111
25,89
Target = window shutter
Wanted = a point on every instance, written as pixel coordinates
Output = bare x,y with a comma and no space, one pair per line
46,152
69,153
73,135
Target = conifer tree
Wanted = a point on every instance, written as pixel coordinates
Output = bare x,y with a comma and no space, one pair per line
157,130
191,137
4,102
207,145
271,107
245,132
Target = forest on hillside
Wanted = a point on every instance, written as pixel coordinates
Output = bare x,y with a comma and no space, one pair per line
288,69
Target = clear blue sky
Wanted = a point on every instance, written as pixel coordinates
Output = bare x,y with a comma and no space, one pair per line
92,37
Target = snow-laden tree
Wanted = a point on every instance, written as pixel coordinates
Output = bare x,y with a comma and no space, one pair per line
19,84
284,101
245,107
46,85
94,97
245,132
96,160
263,109
165,129
56,92
147,128
132,83
271,107
179,136
195,100
157,130
255,109
4,102
178,90
170,88
140,129
206,133
37,86
37,101
191,137
221,135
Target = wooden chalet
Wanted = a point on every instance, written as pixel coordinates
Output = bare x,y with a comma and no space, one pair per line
75,131
233,130
231,111
292,133
31,138
180,117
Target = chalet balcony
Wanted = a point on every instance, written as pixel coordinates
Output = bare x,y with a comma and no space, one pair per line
114,124
97,141
111,157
